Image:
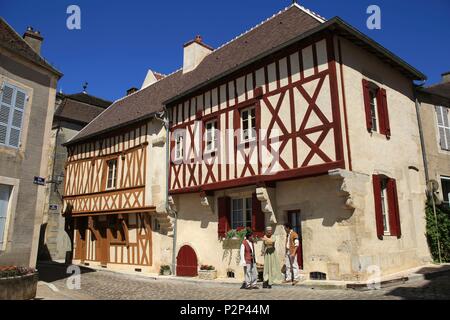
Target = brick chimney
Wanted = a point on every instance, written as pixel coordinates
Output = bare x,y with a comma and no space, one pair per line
34,39
132,90
194,53
446,77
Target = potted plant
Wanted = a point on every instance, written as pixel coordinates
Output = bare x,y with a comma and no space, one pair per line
165,270
234,238
207,272
18,283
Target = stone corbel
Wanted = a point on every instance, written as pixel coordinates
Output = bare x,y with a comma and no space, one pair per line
267,196
171,203
159,141
353,187
207,200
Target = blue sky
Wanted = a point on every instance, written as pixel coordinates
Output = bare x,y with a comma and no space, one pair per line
120,40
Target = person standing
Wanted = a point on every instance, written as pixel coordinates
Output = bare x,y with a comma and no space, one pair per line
248,261
292,244
272,272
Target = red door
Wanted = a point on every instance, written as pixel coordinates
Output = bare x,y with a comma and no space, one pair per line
295,221
187,262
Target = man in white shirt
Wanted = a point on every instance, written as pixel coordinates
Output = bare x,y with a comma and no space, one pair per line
248,261
292,244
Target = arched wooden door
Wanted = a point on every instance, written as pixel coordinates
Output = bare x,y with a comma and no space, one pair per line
187,262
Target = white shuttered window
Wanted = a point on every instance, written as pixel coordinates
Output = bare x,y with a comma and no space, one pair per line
12,107
443,120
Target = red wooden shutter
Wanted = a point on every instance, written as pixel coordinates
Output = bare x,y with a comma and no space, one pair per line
224,208
378,210
258,217
394,214
387,126
383,114
366,89
381,109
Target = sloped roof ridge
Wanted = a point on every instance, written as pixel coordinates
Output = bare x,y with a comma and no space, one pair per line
49,65
309,12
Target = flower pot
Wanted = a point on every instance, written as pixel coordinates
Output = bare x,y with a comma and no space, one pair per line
233,243
19,288
207,274
166,273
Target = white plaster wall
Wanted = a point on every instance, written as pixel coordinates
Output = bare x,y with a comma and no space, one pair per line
374,154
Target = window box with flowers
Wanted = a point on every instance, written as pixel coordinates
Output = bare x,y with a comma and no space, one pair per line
18,283
207,272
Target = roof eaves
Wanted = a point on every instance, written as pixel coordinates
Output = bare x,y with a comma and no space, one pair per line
414,73
75,140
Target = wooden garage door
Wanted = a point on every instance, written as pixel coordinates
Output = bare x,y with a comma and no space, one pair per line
187,262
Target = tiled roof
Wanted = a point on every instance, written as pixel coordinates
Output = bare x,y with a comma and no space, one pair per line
290,24
80,107
283,26
438,94
89,99
12,41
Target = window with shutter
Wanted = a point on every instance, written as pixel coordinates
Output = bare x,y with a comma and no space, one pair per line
443,121
5,193
12,107
387,215
376,110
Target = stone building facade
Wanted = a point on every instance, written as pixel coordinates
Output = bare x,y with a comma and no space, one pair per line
28,90
72,113
434,106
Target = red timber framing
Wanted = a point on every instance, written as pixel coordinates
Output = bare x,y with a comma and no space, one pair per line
296,99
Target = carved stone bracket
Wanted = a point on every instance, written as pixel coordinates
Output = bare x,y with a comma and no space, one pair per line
353,187
207,200
163,215
267,197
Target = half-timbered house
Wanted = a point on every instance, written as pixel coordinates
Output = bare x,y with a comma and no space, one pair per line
301,120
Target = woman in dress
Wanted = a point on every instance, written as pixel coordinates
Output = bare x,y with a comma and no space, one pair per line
272,271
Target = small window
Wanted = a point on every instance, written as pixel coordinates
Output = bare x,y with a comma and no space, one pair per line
387,215
112,174
373,108
241,213
445,182
248,124
443,121
211,136
12,107
384,205
179,141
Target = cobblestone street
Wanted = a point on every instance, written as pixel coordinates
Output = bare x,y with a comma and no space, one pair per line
108,285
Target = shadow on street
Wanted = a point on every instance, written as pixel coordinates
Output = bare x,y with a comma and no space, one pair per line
56,271
437,288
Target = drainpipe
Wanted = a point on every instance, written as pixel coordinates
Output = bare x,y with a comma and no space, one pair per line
165,119
430,193
422,141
